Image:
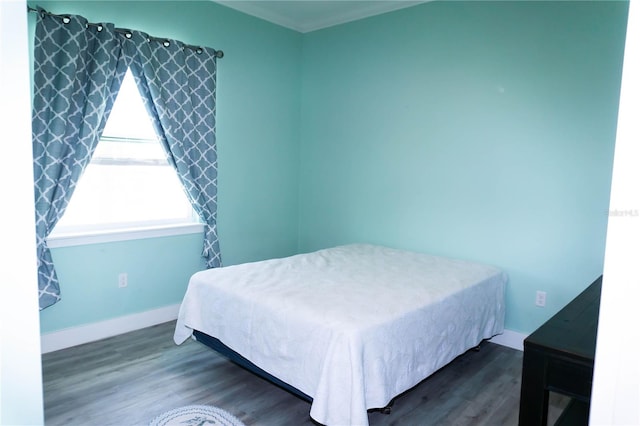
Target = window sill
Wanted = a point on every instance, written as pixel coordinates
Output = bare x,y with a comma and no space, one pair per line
97,237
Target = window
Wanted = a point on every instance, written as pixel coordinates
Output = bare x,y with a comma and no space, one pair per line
129,183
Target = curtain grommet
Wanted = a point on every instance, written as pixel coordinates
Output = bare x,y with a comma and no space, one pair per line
66,19
99,28
128,34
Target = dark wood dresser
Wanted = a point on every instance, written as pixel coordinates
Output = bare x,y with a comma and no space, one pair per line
558,357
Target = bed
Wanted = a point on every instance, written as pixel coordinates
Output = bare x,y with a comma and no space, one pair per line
349,327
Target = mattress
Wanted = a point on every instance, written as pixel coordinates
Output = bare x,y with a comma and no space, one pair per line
351,326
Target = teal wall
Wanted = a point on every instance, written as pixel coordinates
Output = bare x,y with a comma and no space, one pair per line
158,273
480,130
258,117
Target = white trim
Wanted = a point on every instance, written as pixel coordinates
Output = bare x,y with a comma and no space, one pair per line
510,339
615,396
74,336
366,9
108,236
257,10
307,16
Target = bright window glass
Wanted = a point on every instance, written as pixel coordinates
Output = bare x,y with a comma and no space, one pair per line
129,183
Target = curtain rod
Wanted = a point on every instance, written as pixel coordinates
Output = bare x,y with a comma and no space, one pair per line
218,53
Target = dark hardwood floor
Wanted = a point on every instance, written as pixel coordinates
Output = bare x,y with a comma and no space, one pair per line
130,379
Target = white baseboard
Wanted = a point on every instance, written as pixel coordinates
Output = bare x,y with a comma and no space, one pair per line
74,336
511,339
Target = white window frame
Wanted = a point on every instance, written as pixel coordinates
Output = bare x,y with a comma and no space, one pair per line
114,235
123,231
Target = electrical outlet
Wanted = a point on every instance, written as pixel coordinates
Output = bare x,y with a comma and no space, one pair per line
541,298
123,280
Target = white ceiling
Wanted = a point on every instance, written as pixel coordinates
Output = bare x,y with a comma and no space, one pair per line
310,15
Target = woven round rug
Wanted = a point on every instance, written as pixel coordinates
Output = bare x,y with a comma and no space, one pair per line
196,415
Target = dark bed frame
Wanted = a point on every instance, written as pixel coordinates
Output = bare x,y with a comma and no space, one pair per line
238,359
235,357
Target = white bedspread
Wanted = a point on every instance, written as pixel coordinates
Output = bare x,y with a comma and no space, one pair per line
352,326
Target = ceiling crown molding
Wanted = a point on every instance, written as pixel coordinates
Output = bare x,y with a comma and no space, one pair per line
310,15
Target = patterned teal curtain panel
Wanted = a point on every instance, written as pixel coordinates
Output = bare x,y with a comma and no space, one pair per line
178,86
76,80
78,70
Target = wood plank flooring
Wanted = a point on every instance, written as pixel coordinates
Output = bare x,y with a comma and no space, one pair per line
130,379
